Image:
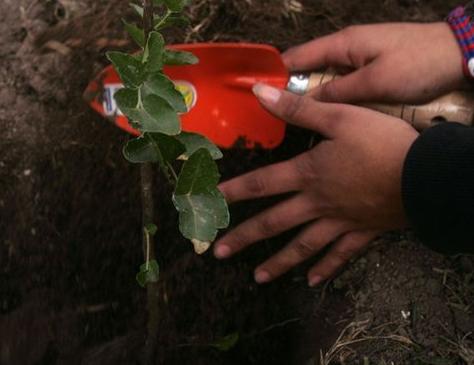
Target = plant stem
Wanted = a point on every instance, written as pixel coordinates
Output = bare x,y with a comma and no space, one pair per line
175,176
147,250
146,172
163,20
147,17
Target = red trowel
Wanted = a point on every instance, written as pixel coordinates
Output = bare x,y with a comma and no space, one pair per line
217,92
221,104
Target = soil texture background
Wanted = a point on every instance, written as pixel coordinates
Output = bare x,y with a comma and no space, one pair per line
70,214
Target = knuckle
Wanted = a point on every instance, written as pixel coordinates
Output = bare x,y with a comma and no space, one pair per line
238,238
343,256
303,248
295,109
349,44
349,32
342,39
256,185
330,91
304,167
268,225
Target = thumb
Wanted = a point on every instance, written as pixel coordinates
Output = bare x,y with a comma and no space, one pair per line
358,86
301,111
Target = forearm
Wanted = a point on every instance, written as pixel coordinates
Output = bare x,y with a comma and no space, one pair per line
438,187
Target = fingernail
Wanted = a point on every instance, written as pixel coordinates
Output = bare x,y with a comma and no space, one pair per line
315,280
267,94
262,277
222,251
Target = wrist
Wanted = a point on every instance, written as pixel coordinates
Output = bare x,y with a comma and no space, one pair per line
461,23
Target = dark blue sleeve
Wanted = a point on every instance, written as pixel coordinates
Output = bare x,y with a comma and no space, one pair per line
438,187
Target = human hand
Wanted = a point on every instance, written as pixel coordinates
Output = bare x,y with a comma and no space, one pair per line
347,188
395,62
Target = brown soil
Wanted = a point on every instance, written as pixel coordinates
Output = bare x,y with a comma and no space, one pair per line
70,219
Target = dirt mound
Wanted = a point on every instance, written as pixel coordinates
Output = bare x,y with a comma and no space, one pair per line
70,218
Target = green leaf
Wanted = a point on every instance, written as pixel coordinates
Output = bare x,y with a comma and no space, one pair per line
162,86
130,70
149,273
138,9
178,58
139,57
193,142
151,229
226,343
174,5
171,21
153,147
201,206
153,55
137,34
153,114
140,150
199,174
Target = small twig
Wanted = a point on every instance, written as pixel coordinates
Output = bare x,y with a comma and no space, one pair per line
203,24
280,324
354,333
147,242
96,308
175,176
58,47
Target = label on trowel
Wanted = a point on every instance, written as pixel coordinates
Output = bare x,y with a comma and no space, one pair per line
188,91
109,104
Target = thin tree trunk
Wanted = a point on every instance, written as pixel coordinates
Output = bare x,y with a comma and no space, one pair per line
146,173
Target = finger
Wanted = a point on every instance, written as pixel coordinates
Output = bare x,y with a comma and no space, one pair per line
330,50
302,111
364,84
305,245
269,223
342,251
279,178
352,48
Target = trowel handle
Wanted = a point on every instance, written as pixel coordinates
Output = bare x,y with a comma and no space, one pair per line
457,106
